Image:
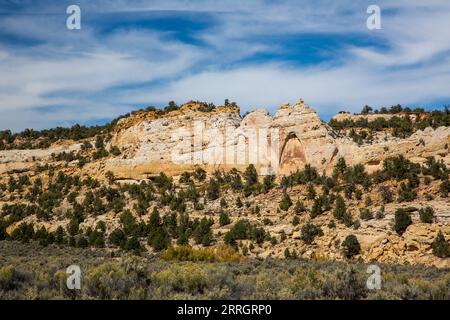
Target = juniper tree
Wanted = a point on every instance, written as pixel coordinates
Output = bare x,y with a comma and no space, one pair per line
309,232
310,191
213,190
82,242
285,202
351,246
117,237
340,208
440,246
60,235
287,253
402,220
426,215
203,233
159,239
133,244
299,207
365,214
251,175
339,168
268,183
224,219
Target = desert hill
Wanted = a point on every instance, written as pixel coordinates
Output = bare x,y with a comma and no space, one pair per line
288,185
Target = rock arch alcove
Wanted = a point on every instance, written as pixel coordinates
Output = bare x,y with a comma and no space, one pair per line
292,154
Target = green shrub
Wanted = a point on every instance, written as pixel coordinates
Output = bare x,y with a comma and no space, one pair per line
187,253
224,219
309,232
285,202
365,214
243,230
239,202
310,191
213,190
444,187
340,208
299,207
199,174
115,151
440,246
159,239
351,246
406,192
188,278
426,215
402,220
107,281
11,278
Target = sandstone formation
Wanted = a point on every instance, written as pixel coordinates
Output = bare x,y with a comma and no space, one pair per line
341,116
151,142
294,136
221,138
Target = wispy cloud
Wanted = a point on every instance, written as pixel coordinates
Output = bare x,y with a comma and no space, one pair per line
257,53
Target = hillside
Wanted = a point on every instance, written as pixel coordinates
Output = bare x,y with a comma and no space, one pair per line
281,186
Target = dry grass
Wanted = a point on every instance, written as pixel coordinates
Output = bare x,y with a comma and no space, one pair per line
32,272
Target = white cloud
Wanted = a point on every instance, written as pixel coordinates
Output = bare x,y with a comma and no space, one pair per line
327,89
84,72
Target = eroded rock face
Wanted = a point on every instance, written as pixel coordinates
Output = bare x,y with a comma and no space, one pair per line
182,139
292,154
173,143
341,116
303,138
25,160
281,144
417,148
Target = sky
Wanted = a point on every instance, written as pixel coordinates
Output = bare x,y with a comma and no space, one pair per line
261,54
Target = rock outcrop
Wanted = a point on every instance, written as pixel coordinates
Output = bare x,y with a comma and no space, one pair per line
280,144
221,138
152,142
342,116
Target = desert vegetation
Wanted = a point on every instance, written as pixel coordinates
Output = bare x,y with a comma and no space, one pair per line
399,125
156,214
223,233
29,272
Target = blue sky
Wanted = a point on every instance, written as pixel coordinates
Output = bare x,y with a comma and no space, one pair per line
135,53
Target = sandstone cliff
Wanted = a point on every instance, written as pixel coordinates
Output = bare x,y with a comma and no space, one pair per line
294,136
221,138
